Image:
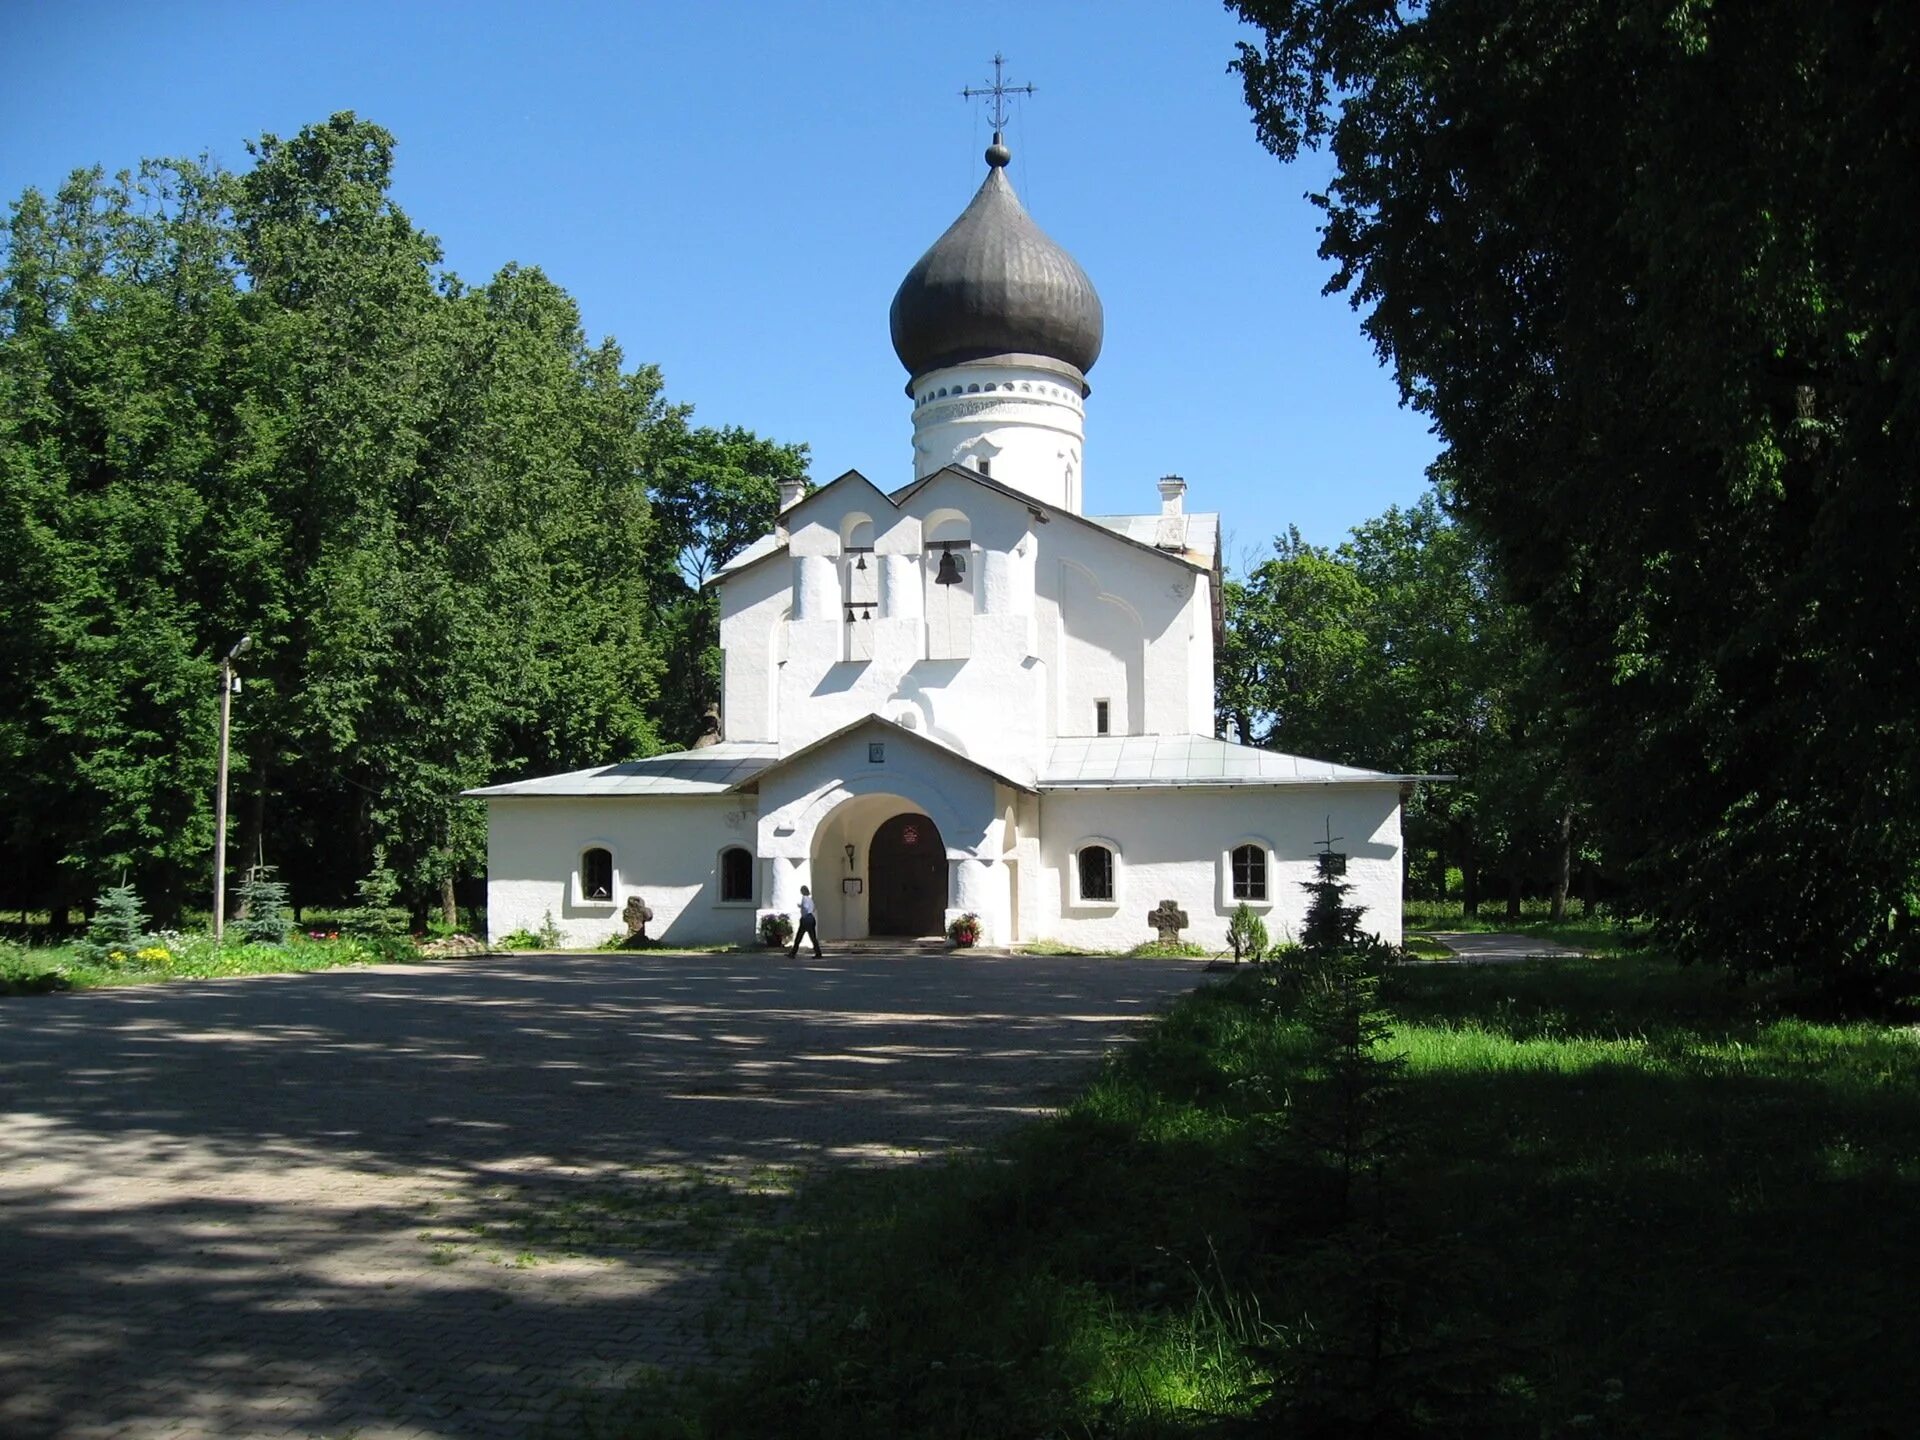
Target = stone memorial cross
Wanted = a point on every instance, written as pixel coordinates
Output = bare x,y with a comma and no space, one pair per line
1168,920
636,916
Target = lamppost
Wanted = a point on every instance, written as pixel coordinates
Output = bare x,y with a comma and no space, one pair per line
229,682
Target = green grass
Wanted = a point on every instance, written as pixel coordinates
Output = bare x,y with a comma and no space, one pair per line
64,967
1643,1203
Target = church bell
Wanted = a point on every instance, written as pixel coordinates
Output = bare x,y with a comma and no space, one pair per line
950,570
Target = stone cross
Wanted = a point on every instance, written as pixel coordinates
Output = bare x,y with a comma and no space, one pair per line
636,916
1168,920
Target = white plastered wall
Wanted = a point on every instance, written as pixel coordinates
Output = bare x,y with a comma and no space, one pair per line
1063,614
665,848
1174,843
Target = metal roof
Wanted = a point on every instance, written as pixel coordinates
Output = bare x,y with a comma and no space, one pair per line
710,770
933,742
1127,761
1198,533
759,550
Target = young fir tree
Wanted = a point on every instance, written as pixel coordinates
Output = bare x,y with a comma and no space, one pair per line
376,916
264,915
1345,1121
1331,924
119,924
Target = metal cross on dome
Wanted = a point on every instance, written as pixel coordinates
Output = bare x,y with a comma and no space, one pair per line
999,90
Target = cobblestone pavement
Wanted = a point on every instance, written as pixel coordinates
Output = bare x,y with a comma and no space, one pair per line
467,1200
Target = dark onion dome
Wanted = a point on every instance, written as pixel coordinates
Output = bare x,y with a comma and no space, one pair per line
994,284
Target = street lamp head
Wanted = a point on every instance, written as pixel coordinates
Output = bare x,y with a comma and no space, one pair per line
240,647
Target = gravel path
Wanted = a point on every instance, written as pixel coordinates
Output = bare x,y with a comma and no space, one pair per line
469,1199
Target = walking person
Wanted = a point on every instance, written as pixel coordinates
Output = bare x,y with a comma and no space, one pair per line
809,926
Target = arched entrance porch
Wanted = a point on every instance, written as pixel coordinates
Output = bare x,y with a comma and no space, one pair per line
897,857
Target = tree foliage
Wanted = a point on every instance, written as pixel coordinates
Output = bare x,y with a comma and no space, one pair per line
1647,267
255,403
1396,651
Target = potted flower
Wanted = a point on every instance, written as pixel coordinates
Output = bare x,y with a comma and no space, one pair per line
965,930
775,929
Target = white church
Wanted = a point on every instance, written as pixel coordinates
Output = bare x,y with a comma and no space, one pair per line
963,694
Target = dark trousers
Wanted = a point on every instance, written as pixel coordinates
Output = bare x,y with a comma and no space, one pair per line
809,929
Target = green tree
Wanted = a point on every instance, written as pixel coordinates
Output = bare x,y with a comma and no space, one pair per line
1396,651
714,492
256,403
1645,267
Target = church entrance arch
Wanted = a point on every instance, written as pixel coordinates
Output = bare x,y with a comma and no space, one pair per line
907,876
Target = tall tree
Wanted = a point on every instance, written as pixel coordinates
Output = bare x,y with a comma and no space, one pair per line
256,404
714,492
1396,651
1646,266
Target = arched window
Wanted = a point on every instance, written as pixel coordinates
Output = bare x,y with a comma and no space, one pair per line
736,875
1249,872
596,875
1095,863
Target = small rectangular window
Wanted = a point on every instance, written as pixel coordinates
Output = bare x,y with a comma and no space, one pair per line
877,753
1101,710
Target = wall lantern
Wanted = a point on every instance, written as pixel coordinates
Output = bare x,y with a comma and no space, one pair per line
851,852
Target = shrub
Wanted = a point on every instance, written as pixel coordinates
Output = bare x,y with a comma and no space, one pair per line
20,974
384,950
118,926
264,919
775,929
520,940
965,930
1246,934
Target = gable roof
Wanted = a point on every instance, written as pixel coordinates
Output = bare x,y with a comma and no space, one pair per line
973,477
945,750
1095,762
710,770
1138,531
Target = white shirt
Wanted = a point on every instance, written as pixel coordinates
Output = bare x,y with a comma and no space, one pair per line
806,906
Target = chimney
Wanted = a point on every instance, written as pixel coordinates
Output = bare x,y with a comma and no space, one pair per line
1173,493
791,491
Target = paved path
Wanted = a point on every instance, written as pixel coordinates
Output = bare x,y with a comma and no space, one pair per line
1500,949
466,1200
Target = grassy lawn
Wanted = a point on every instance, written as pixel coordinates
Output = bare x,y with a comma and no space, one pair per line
1628,1201
40,969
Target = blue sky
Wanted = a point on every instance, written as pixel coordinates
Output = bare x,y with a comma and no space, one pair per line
733,191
